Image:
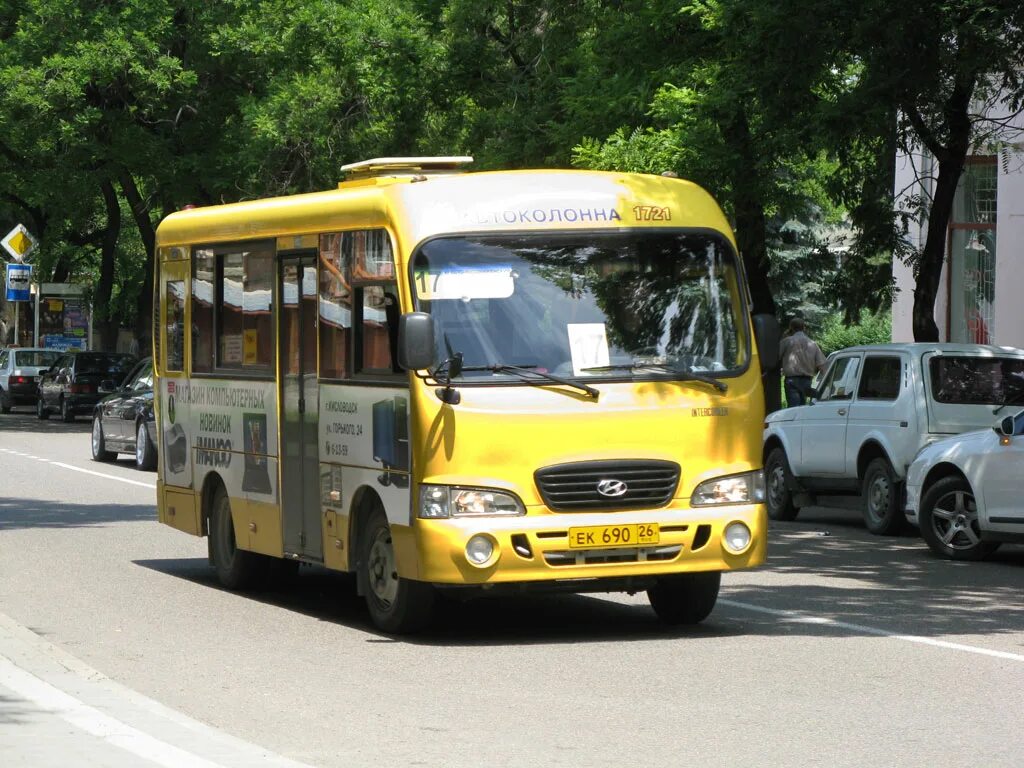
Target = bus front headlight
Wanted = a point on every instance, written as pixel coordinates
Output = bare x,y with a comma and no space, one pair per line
440,501
747,488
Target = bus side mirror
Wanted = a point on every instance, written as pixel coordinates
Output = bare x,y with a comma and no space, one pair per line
416,349
767,333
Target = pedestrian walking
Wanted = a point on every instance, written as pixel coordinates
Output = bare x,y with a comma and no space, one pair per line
801,359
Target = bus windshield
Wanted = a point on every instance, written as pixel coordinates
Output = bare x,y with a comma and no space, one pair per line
644,304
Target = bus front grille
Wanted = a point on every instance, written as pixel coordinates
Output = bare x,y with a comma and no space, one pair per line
609,556
607,485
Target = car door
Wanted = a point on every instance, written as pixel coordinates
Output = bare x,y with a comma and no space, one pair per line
999,474
49,385
111,408
823,428
878,410
5,372
139,387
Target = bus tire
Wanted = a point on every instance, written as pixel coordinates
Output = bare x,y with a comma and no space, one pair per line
236,568
686,598
396,605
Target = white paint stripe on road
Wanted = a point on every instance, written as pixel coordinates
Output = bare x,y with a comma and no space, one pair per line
101,474
80,469
93,721
802,618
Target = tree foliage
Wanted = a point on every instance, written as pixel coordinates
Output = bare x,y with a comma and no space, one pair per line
113,114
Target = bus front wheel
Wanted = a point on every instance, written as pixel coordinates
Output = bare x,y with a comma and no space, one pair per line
236,568
686,598
396,605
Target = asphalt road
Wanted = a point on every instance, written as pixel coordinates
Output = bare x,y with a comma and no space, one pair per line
845,650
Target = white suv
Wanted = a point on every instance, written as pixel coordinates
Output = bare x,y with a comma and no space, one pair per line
875,407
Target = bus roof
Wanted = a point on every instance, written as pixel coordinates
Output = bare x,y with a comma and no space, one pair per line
418,207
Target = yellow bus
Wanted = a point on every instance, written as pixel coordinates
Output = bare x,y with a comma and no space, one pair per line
470,382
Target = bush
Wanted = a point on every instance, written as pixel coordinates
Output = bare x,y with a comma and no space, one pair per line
872,329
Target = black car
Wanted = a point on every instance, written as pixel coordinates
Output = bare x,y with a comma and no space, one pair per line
72,384
123,421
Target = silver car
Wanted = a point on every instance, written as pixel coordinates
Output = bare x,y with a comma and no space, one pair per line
19,375
963,493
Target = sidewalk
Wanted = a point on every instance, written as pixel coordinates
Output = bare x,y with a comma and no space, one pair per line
56,711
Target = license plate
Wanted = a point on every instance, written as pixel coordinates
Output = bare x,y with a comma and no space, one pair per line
597,536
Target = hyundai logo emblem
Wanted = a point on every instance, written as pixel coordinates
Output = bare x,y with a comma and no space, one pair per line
611,487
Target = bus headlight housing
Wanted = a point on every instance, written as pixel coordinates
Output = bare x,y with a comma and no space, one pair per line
745,488
441,501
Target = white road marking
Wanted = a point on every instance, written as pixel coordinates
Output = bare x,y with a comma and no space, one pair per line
80,469
100,474
91,720
802,618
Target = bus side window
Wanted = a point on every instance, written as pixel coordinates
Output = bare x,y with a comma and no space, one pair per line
335,306
376,301
378,328
204,266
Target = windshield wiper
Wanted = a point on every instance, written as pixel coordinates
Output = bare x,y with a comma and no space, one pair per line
685,373
527,372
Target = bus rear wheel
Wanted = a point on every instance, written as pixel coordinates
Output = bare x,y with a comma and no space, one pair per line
236,568
687,598
396,605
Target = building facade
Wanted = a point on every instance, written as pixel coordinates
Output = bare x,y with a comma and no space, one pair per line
980,298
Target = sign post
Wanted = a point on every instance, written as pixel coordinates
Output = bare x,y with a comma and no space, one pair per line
19,279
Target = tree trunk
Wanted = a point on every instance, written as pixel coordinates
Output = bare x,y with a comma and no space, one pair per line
752,239
105,287
933,255
951,159
140,212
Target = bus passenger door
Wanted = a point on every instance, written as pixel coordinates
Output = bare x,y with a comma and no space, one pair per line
300,499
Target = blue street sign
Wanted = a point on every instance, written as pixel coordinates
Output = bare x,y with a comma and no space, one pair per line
18,278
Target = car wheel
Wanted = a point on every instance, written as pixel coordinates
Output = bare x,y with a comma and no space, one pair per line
41,411
686,598
396,605
145,452
5,402
777,478
880,493
949,521
66,414
236,568
99,450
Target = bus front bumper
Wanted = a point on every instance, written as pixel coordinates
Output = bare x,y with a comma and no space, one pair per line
550,547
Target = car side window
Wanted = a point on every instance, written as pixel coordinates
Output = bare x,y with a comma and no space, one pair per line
144,378
3,360
880,378
840,380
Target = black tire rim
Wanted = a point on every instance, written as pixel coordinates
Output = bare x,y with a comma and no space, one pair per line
381,573
954,520
776,486
878,497
225,545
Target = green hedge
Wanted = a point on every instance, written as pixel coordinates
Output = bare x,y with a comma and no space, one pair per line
835,334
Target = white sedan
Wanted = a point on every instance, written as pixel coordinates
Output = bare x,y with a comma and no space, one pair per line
964,492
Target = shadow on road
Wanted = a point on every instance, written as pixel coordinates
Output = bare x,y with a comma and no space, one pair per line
15,711
890,584
30,513
505,620
23,419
